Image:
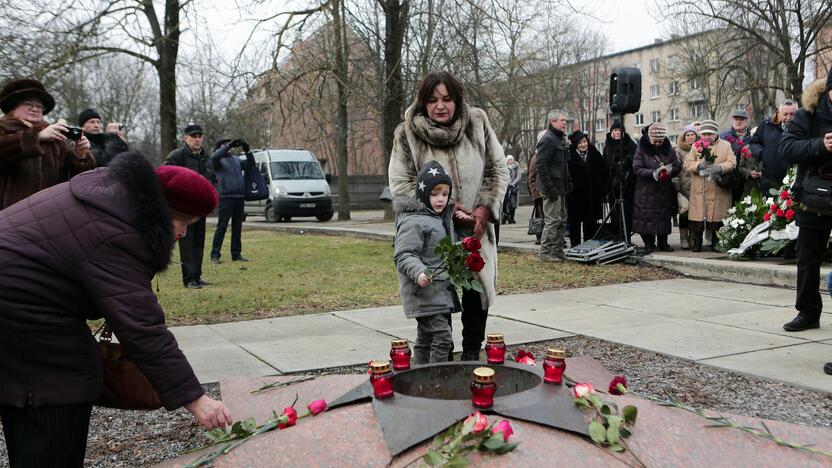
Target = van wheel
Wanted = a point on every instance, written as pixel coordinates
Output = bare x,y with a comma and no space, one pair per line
271,216
325,216
285,219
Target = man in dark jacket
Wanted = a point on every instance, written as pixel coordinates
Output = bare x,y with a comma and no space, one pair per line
739,136
554,184
103,145
808,143
83,250
229,170
619,150
192,248
765,144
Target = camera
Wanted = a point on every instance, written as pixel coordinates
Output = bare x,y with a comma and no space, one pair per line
73,133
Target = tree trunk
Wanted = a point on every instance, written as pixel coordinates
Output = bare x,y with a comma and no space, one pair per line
395,25
168,49
341,121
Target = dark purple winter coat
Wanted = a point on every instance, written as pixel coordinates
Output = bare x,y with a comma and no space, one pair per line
81,250
655,201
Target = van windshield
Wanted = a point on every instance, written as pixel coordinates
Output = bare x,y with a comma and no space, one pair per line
283,170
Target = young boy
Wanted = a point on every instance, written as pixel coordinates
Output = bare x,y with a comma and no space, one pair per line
420,224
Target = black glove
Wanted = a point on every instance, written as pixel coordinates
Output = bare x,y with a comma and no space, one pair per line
245,146
234,143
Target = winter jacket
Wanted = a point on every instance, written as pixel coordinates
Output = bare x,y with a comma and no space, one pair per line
654,199
82,250
802,144
28,166
681,183
707,199
471,153
765,144
228,169
514,177
418,231
531,179
198,162
553,179
744,183
625,147
105,146
589,185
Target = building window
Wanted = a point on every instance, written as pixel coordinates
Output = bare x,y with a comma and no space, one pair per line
656,116
673,114
694,83
697,110
673,88
672,62
599,124
584,125
654,91
639,119
655,65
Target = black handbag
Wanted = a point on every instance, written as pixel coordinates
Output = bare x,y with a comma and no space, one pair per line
256,187
816,191
535,223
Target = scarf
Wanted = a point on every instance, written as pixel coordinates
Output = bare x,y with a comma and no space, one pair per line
441,136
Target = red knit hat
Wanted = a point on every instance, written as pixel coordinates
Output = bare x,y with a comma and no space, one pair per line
186,191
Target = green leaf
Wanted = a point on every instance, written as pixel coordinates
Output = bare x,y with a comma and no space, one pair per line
613,435
630,414
507,448
582,402
606,410
616,448
494,442
457,462
432,458
468,426
625,432
597,432
477,286
595,400
217,435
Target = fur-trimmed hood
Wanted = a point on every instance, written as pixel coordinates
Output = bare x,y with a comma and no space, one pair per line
129,189
812,94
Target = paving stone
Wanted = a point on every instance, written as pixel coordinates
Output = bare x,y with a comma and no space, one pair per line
586,318
213,357
771,320
799,365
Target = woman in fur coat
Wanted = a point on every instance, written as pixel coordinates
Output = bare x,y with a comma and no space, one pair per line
440,126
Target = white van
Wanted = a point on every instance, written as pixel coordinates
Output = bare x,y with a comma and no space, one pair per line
297,186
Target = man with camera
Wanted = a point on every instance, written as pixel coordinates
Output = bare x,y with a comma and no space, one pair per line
232,189
104,145
192,247
35,155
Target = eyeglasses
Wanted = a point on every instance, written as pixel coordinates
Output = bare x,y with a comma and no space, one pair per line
33,105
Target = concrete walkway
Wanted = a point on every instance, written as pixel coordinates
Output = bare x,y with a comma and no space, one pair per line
728,325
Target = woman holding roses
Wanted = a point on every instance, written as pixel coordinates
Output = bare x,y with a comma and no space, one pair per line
708,160
654,165
440,126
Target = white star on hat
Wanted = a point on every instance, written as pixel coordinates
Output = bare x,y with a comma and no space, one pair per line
422,186
433,171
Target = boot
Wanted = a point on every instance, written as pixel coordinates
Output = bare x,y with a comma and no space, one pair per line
696,241
714,242
470,356
684,238
663,245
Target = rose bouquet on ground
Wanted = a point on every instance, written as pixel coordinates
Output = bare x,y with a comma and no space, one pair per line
739,222
781,212
474,434
460,260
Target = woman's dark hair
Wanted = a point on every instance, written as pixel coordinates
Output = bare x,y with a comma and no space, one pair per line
426,87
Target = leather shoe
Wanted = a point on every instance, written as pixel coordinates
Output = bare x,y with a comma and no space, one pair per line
801,323
193,285
470,356
828,368
239,259
665,248
215,260
202,282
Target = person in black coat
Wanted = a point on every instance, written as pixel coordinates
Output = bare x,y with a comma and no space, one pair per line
192,248
103,145
619,150
554,184
585,203
765,144
84,250
654,165
808,143
232,187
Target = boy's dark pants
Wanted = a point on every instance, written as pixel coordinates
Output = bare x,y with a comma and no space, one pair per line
433,339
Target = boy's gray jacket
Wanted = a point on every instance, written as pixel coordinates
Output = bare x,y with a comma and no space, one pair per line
418,231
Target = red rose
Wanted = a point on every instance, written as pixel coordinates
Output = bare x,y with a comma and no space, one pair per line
525,357
474,262
317,407
784,194
780,213
789,202
503,427
789,214
772,208
582,389
480,422
618,385
471,244
767,216
288,418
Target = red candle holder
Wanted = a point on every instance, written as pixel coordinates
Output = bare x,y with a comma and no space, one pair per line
495,349
483,388
554,366
381,378
400,354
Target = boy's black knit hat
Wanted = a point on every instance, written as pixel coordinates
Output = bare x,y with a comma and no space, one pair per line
431,175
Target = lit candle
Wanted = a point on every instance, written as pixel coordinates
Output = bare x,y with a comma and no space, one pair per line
554,365
400,354
483,388
381,378
495,348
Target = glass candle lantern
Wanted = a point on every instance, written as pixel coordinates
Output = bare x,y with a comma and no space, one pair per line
381,378
400,354
483,388
554,366
495,348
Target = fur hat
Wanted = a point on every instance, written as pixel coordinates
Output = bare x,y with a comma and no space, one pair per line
657,131
576,136
431,175
828,81
87,114
708,126
616,124
186,191
16,91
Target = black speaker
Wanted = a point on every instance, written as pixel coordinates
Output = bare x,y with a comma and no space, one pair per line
625,90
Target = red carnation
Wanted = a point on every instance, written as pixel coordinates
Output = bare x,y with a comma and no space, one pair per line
767,216
789,214
471,244
780,213
474,262
784,194
618,385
